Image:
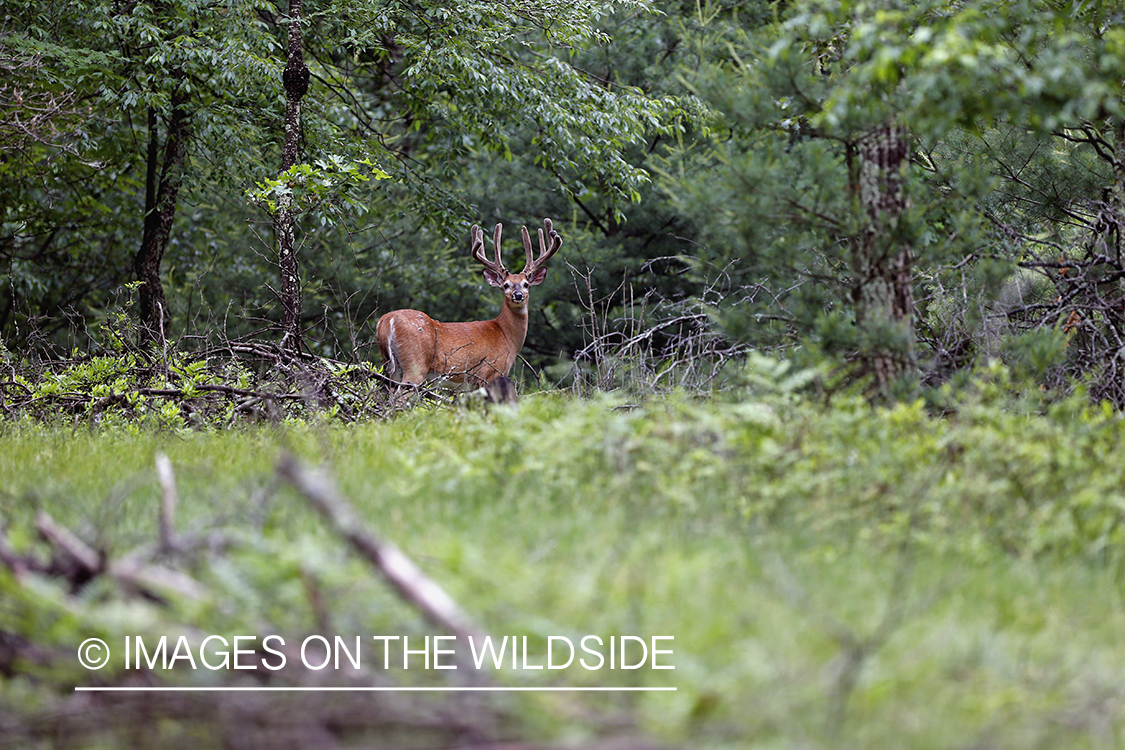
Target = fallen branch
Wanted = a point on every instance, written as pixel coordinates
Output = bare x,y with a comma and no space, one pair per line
405,577
86,557
152,581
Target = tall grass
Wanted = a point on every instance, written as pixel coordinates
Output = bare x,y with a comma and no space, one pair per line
841,576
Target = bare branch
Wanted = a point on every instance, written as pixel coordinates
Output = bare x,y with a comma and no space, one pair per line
405,577
167,479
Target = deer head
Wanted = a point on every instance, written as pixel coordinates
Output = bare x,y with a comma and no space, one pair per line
516,286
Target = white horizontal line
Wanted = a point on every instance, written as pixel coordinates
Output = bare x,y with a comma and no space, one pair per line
264,689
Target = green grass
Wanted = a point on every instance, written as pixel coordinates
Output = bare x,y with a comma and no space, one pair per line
832,577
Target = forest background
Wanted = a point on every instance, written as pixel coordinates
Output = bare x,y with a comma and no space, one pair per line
904,192
825,382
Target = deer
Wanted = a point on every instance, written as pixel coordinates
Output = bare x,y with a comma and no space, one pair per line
417,348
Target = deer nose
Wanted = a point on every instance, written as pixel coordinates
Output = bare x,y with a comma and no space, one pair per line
518,295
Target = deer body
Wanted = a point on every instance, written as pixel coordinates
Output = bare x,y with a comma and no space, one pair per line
416,347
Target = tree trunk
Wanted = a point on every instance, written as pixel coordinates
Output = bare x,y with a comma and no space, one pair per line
296,80
1109,239
882,261
1115,228
162,186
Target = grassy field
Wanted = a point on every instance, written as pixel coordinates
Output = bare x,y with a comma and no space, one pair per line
832,576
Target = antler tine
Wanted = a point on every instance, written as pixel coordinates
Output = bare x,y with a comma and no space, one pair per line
476,235
476,244
530,264
496,242
545,252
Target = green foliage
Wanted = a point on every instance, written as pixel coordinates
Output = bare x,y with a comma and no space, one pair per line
495,74
1013,125
73,208
327,185
161,387
1037,351
766,533
421,90
750,114
984,61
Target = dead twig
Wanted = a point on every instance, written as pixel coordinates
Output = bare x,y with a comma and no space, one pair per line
168,542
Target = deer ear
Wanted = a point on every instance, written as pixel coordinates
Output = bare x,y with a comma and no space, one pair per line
493,278
537,276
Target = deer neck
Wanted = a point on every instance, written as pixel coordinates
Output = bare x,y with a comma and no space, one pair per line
513,322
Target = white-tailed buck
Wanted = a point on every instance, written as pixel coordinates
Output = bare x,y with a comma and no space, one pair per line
416,347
